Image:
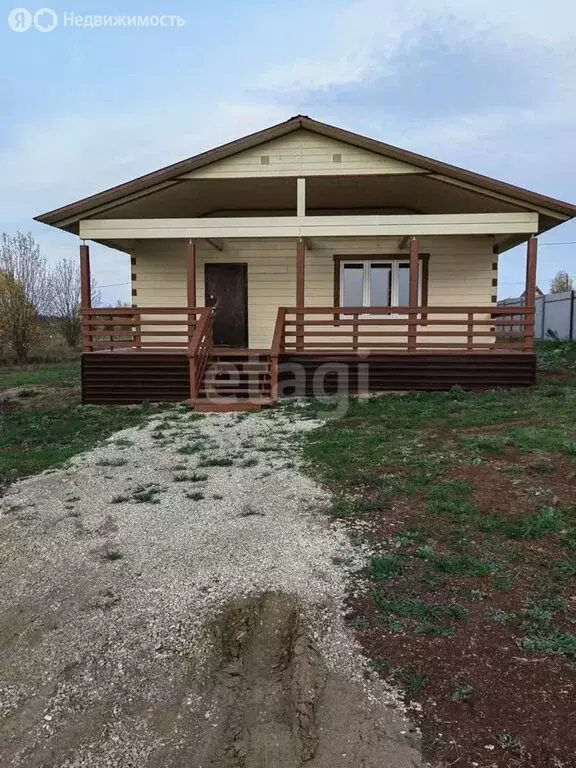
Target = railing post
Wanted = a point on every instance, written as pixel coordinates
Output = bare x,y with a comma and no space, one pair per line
85,296
530,295
413,294
470,329
355,317
137,340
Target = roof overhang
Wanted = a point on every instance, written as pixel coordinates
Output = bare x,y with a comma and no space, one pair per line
68,216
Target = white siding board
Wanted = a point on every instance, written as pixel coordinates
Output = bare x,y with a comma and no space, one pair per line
460,273
302,153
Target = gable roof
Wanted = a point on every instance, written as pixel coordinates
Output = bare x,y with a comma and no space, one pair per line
171,173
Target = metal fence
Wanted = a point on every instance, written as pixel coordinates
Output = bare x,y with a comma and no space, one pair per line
555,312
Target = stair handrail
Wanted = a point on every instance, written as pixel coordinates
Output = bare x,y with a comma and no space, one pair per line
275,350
199,350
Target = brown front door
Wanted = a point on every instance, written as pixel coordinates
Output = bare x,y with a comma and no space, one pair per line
227,294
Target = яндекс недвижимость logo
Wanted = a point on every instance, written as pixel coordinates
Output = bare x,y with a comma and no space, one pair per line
21,20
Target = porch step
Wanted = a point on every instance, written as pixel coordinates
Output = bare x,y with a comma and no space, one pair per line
235,380
204,405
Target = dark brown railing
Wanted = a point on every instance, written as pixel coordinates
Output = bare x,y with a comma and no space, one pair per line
112,328
404,329
199,351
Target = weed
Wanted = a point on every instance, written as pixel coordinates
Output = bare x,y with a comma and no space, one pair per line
408,537
564,568
215,461
504,581
147,494
194,495
248,511
461,565
462,693
251,462
350,507
123,442
386,567
190,448
112,554
120,498
114,462
510,743
414,608
359,622
451,496
182,477
487,443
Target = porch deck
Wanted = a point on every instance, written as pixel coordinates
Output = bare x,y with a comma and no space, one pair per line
147,354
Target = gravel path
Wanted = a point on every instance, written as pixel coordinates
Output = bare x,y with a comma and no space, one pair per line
173,598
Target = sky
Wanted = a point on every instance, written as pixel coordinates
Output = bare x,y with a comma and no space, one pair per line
489,85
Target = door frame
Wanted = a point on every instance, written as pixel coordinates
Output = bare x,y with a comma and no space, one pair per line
244,271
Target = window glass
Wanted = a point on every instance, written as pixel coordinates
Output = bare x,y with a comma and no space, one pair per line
380,285
403,292
353,285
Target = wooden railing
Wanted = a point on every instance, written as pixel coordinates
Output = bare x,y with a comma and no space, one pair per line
275,349
404,329
112,328
199,351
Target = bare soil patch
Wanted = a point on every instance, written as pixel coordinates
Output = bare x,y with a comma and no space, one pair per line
39,397
485,699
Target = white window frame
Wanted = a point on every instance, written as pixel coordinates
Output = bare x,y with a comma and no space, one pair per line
367,265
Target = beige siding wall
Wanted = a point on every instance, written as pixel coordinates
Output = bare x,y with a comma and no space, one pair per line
460,273
302,153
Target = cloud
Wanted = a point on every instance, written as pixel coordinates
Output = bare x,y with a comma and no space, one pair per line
52,163
369,36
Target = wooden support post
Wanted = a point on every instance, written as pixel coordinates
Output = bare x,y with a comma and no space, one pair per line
191,273
530,295
413,294
470,331
85,292
300,284
85,295
355,317
191,318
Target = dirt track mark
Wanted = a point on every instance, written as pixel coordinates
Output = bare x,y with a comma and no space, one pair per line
274,704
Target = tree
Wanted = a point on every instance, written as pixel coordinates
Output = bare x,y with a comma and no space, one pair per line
561,283
65,280
24,291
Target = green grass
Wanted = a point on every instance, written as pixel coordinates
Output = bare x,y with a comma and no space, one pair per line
215,461
194,495
147,494
54,375
386,567
460,565
33,441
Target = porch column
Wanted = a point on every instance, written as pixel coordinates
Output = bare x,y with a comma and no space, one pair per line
413,293
300,256
191,273
85,297
530,295
300,267
414,265
85,292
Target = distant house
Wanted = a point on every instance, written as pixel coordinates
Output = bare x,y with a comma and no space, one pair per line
306,248
520,299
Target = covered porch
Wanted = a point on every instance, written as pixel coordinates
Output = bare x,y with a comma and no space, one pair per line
169,352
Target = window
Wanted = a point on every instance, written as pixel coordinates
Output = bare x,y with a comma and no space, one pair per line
366,283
